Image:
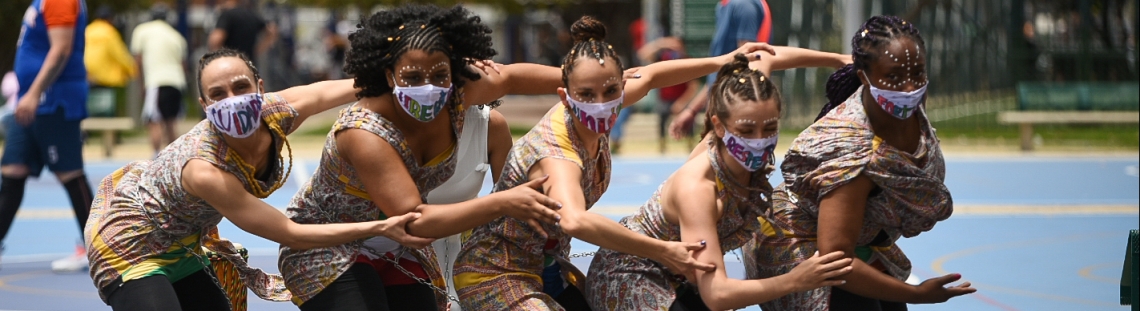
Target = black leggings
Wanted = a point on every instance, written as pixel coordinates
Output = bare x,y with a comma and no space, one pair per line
360,289
572,299
194,292
688,299
842,300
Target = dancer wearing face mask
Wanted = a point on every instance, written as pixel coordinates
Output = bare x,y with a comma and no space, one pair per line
715,201
507,265
399,142
151,219
868,172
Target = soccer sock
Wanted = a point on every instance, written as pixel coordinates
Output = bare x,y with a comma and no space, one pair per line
11,195
79,191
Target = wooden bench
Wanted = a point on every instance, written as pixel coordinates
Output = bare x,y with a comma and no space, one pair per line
108,125
1071,103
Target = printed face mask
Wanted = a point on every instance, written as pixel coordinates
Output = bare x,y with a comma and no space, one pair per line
752,153
238,116
901,105
599,118
421,102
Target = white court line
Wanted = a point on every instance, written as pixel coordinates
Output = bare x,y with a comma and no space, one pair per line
1132,170
961,210
625,210
13,259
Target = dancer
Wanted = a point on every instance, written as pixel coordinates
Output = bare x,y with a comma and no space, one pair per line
151,219
398,143
868,172
716,201
507,265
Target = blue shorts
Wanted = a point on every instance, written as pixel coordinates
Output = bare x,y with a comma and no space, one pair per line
50,140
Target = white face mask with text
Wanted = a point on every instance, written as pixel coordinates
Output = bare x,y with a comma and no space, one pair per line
238,116
599,118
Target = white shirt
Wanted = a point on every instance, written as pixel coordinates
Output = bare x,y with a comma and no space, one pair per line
163,50
471,166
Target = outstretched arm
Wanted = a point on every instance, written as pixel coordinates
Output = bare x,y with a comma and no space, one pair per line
314,98
673,72
841,220
515,79
785,58
389,185
224,192
693,197
564,186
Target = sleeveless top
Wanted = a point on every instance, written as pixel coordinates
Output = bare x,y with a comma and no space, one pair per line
336,194
620,281
510,245
143,222
910,197
471,169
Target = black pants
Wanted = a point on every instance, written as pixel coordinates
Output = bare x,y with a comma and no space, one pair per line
688,299
572,299
195,292
360,289
842,300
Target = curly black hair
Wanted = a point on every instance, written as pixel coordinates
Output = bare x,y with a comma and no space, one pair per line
224,52
381,39
736,81
866,46
589,41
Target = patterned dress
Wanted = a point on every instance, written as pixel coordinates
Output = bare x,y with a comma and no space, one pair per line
499,267
620,281
143,223
336,194
909,199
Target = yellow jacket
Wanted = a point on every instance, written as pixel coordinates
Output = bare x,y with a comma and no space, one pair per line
108,62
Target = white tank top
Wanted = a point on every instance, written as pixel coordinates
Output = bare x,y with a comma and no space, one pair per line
471,168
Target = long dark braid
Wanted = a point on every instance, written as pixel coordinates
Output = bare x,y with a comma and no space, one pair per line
866,46
736,82
382,38
589,41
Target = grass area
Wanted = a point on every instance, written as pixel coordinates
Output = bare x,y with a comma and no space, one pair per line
517,131
985,130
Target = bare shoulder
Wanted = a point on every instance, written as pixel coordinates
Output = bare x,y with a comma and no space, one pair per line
199,176
354,144
690,187
497,121
695,177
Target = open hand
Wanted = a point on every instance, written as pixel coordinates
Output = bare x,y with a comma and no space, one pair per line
525,202
395,228
751,49
819,271
935,290
486,66
678,258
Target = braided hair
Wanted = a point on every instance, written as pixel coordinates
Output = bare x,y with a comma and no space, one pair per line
866,47
735,82
224,52
589,42
381,39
